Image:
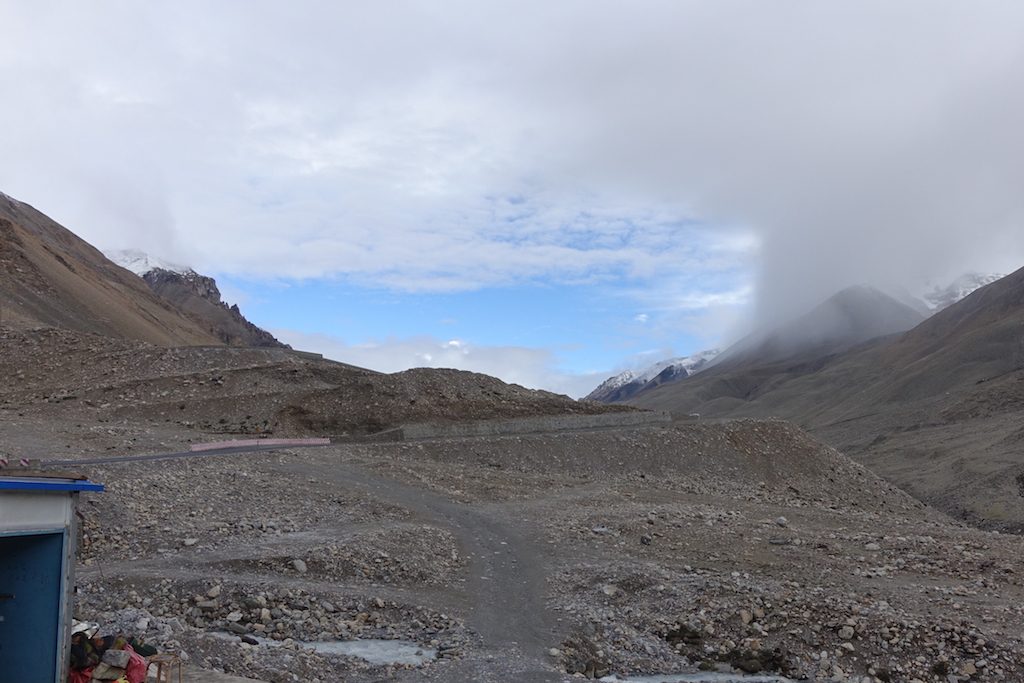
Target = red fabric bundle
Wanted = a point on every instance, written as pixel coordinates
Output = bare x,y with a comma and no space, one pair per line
80,675
136,670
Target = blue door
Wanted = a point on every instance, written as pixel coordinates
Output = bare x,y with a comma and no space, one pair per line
31,581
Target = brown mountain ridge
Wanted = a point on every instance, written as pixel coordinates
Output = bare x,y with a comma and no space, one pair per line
51,277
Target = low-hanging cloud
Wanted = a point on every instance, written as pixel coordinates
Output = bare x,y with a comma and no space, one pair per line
441,147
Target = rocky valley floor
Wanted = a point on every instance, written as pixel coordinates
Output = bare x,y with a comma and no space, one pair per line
742,547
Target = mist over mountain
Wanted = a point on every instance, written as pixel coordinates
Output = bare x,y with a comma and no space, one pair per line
936,409
943,297
854,315
849,317
140,262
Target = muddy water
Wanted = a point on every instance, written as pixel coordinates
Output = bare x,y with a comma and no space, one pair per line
378,651
382,652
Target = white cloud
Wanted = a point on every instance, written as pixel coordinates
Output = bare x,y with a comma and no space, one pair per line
530,367
693,301
641,318
431,147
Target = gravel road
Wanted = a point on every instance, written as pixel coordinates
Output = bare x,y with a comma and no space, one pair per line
505,581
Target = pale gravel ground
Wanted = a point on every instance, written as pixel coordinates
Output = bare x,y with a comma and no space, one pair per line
637,551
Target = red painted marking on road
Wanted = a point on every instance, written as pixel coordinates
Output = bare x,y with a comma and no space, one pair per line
214,445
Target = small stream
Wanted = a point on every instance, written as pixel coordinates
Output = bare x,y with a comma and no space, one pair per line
381,652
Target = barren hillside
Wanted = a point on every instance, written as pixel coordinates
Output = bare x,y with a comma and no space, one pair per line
48,276
936,410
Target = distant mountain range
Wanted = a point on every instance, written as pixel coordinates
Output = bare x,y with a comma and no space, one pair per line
629,383
845,319
934,404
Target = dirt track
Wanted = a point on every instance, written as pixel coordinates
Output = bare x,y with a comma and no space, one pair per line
505,580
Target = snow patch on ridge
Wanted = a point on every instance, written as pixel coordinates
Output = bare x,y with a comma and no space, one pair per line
682,365
689,363
140,263
943,297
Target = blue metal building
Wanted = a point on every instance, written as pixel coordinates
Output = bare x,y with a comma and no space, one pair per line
38,534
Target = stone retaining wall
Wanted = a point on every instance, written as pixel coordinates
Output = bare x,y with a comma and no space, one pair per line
532,425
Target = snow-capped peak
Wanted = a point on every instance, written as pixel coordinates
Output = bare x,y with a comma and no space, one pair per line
140,263
616,381
941,297
635,380
687,363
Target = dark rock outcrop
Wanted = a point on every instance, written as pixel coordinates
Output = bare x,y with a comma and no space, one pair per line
199,297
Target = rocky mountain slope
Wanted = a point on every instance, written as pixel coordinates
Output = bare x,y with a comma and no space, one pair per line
48,276
197,296
744,547
936,409
629,383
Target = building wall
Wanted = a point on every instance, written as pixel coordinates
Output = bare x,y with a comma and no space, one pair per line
34,511
38,527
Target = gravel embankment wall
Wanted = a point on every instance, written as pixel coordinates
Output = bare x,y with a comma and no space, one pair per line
533,425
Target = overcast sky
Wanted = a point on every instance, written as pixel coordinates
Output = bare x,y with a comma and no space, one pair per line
545,191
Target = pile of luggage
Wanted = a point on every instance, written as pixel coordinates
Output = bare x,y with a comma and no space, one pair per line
106,658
